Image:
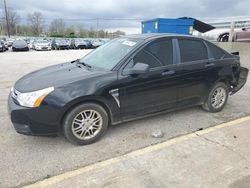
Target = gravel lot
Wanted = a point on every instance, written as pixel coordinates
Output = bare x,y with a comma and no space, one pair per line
26,159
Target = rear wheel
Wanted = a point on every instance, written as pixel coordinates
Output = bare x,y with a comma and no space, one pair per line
85,124
217,98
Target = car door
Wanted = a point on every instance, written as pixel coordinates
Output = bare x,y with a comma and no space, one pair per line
192,71
152,91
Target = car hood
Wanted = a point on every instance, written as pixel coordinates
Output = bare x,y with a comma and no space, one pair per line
56,75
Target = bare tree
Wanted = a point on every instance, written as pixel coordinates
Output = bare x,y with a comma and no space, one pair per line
57,26
36,22
13,19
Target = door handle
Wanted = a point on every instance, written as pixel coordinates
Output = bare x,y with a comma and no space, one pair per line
209,65
168,73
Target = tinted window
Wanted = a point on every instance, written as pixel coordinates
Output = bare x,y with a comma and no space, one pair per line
156,54
162,50
192,50
216,52
145,57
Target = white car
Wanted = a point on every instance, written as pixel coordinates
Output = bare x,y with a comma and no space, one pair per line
42,45
96,43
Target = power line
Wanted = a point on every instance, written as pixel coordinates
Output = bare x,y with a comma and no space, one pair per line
92,19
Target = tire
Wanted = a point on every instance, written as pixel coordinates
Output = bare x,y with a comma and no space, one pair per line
211,104
77,119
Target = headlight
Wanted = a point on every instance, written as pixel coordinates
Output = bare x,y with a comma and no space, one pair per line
31,99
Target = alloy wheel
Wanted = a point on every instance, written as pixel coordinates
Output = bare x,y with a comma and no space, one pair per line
87,124
218,97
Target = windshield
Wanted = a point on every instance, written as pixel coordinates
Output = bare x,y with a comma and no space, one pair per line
20,42
109,54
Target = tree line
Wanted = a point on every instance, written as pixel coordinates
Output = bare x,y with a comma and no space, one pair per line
36,26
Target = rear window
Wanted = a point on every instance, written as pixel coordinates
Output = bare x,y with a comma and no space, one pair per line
192,50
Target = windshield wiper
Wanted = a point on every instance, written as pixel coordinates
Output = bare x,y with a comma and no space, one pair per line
85,64
82,63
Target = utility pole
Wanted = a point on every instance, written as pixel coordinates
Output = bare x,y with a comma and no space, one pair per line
97,27
7,19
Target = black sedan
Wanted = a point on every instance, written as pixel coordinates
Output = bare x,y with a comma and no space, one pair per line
126,78
20,45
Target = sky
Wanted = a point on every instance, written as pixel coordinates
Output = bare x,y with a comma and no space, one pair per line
127,14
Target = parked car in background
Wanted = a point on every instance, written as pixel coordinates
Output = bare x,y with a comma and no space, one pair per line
71,44
6,45
10,41
82,44
31,44
59,44
96,43
41,45
130,77
238,36
242,36
2,46
20,45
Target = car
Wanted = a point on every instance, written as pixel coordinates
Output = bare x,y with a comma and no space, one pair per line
242,36
20,45
71,44
31,44
82,44
41,45
2,46
5,43
59,44
10,41
238,36
127,78
96,43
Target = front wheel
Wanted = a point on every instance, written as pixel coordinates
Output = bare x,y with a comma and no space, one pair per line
217,98
85,124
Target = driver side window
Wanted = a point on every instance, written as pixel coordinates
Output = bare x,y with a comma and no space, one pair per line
155,54
144,56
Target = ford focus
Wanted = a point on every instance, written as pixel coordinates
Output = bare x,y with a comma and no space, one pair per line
125,79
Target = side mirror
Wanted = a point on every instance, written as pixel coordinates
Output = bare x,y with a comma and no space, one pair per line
139,68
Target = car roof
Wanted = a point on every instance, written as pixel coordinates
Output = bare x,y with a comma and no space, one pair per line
146,36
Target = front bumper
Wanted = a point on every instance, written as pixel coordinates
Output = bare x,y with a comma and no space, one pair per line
42,48
242,79
63,46
20,49
31,121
